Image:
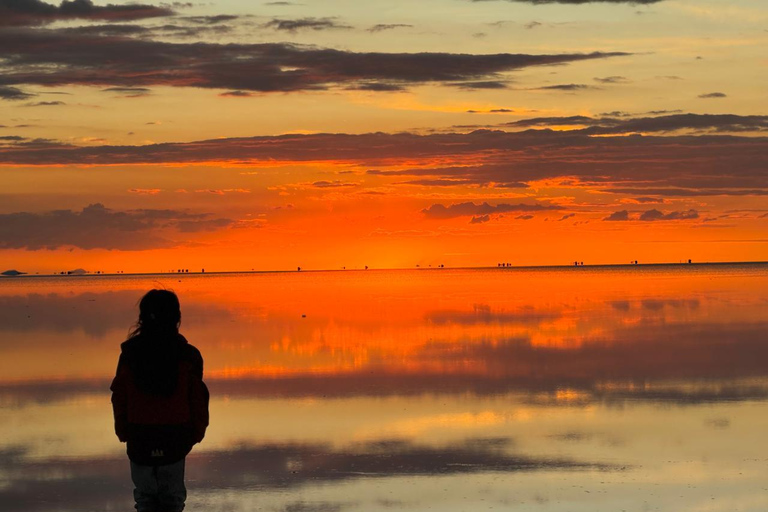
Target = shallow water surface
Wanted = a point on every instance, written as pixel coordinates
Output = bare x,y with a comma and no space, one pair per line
571,389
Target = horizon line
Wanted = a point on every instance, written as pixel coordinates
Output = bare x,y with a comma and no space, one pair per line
366,269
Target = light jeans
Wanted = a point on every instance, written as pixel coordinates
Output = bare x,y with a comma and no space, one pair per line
159,488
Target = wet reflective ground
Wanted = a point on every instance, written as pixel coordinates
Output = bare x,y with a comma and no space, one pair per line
574,389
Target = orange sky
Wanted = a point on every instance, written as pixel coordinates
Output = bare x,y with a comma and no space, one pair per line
240,136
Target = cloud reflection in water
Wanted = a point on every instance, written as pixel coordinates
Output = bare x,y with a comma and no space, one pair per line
325,381
90,483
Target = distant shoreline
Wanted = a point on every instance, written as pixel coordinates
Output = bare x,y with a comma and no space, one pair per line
507,268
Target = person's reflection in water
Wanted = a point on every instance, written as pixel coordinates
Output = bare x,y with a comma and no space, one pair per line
160,403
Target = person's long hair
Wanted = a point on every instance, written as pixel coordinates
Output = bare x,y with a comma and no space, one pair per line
155,364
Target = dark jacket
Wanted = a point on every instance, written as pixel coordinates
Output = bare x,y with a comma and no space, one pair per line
160,427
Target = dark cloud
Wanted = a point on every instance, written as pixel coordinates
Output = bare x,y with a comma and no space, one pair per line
85,318
492,111
485,314
13,138
532,24
99,482
236,94
108,30
542,389
187,31
12,93
98,227
381,458
567,216
713,95
130,92
46,104
566,87
549,121
56,57
388,26
646,351
484,176
94,314
664,112
442,182
480,219
655,304
665,123
615,113
37,12
378,87
643,200
687,192
485,84
620,215
305,23
439,211
302,506
211,20
612,80
654,214
39,143
633,165
334,184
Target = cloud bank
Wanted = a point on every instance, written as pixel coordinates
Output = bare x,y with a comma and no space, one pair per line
645,166
36,12
98,227
610,125
439,211
654,215
50,57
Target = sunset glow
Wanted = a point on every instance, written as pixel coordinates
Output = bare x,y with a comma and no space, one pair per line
329,135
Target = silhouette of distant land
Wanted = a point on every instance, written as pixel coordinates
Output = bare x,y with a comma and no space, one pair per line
508,266
13,272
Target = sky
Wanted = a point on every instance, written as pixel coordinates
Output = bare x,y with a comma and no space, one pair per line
337,134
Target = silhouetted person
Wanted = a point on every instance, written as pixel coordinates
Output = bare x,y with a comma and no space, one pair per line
160,403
